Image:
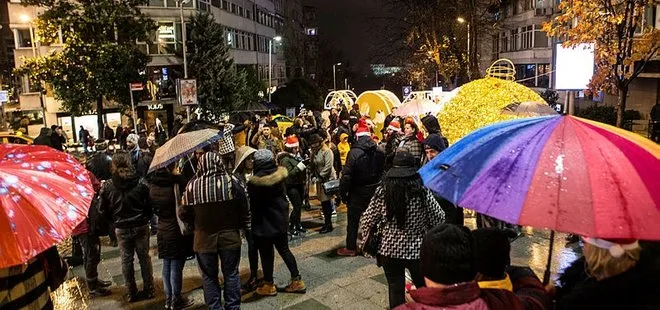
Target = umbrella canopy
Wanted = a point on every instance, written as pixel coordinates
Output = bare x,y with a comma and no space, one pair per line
559,172
182,145
198,125
418,107
44,195
529,109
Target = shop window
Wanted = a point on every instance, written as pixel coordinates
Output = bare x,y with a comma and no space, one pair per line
543,73
23,38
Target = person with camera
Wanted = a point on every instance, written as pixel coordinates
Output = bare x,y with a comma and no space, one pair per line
265,139
295,183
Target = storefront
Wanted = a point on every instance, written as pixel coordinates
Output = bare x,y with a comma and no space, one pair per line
149,111
71,124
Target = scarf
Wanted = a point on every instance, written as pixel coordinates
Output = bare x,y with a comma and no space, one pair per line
211,183
504,284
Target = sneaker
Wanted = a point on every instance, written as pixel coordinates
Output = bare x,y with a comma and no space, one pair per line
267,289
181,303
100,292
346,252
334,213
296,286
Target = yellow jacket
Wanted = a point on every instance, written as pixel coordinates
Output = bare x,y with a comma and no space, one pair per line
343,148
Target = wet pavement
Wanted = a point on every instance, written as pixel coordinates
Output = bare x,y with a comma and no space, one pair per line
333,282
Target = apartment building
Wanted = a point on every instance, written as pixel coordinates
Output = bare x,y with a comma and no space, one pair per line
250,26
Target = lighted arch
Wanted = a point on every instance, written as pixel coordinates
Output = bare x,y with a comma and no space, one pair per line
347,97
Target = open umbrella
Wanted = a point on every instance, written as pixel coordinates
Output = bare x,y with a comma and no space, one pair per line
44,195
529,109
558,172
417,107
183,144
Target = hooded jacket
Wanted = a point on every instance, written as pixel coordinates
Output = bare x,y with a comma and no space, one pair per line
100,164
43,138
269,205
467,296
242,153
171,243
126,201
362,172
431,124
344,147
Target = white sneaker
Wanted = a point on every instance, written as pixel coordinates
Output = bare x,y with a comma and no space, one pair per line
334,213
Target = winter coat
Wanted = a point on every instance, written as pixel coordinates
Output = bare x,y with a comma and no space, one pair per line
402,242
463,296
271,143
342,129
324,171
268,202
143,163
344,147
108,133
43,138
362,172
100,164
431,124
171,243
57,141
296,176
414,147
634,289
126,202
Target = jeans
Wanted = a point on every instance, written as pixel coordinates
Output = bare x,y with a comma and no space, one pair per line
395,272
281,243
295,194
135,241
91,247
253,254
354,213
173,276
208,266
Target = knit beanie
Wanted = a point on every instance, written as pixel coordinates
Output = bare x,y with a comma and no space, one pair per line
492,248
133,138
447,255
264,161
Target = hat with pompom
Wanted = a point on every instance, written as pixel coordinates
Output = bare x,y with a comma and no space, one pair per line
616,247
292,141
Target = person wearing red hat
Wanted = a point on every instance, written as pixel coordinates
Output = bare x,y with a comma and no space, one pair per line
612,274
295,183
360,178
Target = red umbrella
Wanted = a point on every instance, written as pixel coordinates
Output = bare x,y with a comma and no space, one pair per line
44,195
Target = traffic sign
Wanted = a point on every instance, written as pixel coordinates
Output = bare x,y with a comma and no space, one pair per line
407,90
136,87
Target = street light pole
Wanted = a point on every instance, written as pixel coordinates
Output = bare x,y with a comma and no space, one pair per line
270,66
184,48
461,20
334,75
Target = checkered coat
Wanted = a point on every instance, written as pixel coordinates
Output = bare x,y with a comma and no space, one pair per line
406,242
226,144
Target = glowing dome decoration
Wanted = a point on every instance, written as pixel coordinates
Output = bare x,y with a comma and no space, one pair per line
480,103
502,69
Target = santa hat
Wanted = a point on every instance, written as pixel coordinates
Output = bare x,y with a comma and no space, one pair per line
292,141
616,247
362,129
394,126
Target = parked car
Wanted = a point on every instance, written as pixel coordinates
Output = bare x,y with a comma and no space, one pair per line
16,139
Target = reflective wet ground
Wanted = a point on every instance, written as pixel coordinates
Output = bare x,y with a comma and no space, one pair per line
332,282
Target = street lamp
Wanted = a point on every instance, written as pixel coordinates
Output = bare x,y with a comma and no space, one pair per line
270,65
461,20
334,75
184,48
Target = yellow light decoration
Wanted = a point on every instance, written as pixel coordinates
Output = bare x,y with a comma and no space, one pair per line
480,103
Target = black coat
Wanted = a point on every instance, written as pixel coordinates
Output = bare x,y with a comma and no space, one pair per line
100,165
126,202
56,141
362,172
108,134
268,203
635,289
43,138
171,243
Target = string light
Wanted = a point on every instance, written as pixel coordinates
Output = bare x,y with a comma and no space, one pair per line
480,103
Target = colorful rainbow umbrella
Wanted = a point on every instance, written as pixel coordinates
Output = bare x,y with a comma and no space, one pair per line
558,172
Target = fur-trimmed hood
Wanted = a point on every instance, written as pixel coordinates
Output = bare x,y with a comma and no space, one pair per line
277,176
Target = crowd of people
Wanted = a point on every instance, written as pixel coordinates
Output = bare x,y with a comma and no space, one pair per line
255,182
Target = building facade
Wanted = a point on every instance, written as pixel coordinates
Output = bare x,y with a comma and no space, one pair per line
250,27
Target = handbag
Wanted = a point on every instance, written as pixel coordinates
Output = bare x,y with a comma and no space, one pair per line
371,241
183,227
331,187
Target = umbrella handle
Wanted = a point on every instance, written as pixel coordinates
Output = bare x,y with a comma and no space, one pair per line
548,266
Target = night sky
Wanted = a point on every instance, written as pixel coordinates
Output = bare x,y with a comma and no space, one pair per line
347,23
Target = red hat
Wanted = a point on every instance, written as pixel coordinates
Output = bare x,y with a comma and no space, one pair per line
292,141
362,129
394,126
616,247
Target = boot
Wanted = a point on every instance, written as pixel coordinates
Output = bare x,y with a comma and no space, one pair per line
181,302
296,286
327,216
